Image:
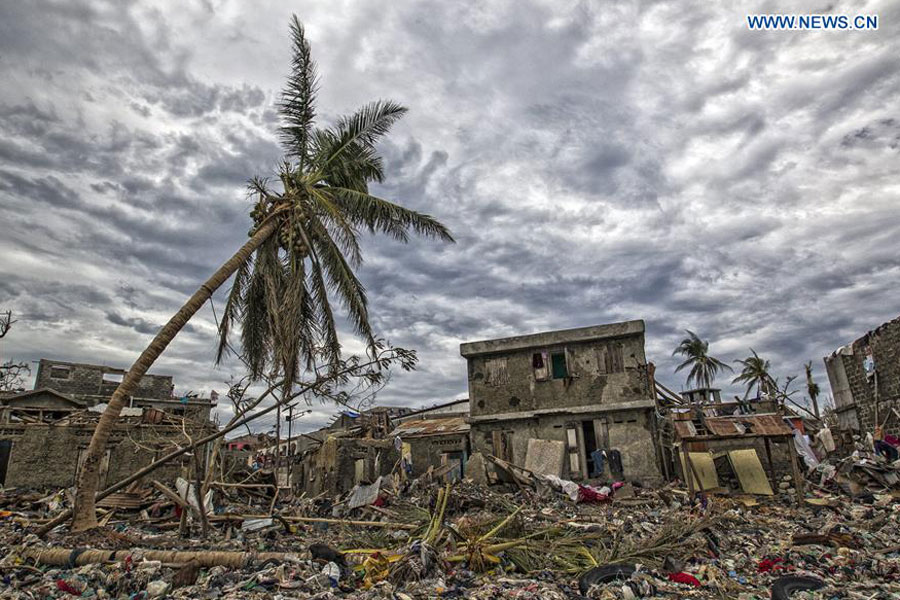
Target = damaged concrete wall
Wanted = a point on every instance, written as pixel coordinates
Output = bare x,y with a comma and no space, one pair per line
428,451
605,370
629,432
855,391
44,455
592,380
94,382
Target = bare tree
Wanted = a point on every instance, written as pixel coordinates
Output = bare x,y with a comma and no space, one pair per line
325,382
12,374
153,442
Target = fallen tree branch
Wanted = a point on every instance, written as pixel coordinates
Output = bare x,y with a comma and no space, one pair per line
60,557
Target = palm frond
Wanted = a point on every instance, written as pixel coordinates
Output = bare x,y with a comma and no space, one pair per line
386,217
345,283
364,126
233,308
298,101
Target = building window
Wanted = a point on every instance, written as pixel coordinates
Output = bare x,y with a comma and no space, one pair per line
558,364
59,372
611,358
109,377
496,373
540,363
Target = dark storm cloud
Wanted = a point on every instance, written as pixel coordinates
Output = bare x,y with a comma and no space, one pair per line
595,163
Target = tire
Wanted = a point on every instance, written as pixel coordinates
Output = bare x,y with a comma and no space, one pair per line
785,586
604,574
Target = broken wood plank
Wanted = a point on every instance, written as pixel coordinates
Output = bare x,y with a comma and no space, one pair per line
170,494
384,524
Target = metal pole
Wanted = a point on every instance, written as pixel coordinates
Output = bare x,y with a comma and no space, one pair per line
278,437
290,420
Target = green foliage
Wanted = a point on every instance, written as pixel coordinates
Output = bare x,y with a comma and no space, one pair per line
283,295
704,367
755,372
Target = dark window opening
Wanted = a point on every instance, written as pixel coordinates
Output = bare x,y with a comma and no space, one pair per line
558,363
513,401
540,367
481,404
59,372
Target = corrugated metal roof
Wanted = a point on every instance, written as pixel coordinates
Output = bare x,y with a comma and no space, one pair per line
423,427
736,426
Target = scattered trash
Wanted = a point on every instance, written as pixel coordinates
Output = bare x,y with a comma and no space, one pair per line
538,536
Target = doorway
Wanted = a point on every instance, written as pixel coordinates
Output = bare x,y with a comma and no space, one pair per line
590,446
5,450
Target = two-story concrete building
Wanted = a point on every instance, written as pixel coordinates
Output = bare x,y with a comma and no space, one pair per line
589,388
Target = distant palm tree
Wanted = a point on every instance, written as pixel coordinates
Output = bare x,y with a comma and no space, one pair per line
303,246
812,388
704,367
755,372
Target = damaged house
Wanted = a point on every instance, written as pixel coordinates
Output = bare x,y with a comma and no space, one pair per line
44,432
95,384
436,439
354,449
865,380
586,392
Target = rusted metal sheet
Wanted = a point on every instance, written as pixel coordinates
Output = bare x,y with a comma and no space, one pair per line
426,427
770,425
685,429
737,426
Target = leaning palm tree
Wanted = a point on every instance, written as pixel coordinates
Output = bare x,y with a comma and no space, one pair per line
303,248
755,372
704,367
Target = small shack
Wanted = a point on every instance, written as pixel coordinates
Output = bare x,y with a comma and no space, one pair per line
435,443
708,445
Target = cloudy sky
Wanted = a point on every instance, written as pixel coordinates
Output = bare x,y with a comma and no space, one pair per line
596,162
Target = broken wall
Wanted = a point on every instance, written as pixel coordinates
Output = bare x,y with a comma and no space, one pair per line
44,455
340,463
428,451
855,391
95,382
781,457
629,432
608,371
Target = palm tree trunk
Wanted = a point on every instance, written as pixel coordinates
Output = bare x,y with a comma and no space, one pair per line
88,477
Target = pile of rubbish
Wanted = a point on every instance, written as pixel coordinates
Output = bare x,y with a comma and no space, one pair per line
423,539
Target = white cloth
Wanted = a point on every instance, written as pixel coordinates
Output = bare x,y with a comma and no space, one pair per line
570,488
801,443
826,439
